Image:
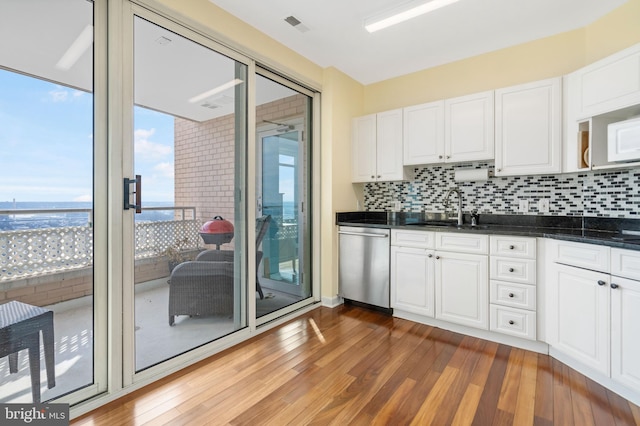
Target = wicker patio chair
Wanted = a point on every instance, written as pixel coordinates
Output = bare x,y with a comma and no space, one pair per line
200,289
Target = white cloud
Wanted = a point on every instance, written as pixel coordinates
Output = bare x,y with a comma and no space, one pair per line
165,169
58,95
147,150
86,198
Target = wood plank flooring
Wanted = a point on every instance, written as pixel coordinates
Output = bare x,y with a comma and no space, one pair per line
350,365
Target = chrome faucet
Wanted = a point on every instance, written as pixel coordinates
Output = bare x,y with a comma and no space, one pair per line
447,202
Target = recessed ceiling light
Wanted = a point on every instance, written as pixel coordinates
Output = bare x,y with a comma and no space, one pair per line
296,23
221,88
403,13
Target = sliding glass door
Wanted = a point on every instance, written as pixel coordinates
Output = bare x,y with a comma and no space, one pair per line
52,304
186,215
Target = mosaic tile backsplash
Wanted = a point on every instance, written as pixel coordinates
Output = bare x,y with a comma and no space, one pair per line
613,193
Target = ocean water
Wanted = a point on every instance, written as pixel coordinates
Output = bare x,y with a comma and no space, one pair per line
53,219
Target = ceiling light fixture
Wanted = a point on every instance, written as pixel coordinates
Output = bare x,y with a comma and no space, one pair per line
403,13
77,49
213,91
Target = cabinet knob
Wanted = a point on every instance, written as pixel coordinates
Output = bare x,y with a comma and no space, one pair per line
614,286
511,322
373,177
437,257
429,255
511,295
512,247
440,157
511,269
499,170
448,156
601,283
379,176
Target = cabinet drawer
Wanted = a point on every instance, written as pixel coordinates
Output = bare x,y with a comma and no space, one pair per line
521,271
515,295
582,255
509,246
625,263
462,243
516,322
418,239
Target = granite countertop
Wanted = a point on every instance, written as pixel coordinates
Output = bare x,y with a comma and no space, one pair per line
612,232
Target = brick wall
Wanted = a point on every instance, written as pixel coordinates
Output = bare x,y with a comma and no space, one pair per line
205,158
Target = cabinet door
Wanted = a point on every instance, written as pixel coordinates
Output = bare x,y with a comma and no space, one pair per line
625,330
462,289
423,129
412,280
610,84
363,149
529,128
578,313
469,132
389,146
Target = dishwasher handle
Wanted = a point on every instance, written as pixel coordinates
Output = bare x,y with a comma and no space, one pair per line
363,234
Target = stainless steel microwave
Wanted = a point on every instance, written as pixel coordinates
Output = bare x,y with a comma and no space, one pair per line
623,140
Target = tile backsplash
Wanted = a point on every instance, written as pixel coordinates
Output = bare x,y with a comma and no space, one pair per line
614,193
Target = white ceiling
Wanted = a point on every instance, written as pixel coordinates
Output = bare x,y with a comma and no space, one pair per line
337,37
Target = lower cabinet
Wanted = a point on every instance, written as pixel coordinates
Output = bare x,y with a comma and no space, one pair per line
578,309
594,316
462,288
412,280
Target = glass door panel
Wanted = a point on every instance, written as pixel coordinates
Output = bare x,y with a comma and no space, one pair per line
189,139
47,286
283,124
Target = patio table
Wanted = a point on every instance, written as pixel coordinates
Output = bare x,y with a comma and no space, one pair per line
20,327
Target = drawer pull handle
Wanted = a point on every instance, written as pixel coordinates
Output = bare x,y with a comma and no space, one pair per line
614,286
511,269
512,247
511,295
511,322
601,283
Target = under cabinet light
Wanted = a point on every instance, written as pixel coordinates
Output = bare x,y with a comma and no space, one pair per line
403,13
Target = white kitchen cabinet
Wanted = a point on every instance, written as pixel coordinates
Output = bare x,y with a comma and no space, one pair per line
512,270
625,332
462,289
469,127
528,136
610,84
412,280
377,147
423,128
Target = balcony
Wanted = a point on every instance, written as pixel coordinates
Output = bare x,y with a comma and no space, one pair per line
52,268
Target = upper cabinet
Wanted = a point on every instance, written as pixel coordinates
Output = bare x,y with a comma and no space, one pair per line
469,128
597,95
424,133
610,84
453,130
377,147
529,128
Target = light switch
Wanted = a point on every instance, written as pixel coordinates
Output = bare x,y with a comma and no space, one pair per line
523,206
543,205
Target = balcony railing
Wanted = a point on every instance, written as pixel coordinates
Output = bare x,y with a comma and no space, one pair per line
30,252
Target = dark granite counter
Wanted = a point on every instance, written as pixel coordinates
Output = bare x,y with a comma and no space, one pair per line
612,232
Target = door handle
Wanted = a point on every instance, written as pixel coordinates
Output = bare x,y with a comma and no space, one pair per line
138,191
363,234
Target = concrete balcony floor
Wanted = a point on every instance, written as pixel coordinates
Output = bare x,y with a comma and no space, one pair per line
155,340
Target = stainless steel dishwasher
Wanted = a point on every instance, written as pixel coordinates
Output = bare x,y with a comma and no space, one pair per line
364,265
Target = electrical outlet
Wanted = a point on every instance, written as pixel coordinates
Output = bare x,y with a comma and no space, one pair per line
543,205
523,206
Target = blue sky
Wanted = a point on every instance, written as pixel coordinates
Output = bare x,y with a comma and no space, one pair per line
46,143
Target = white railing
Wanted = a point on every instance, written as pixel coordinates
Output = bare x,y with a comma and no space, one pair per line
31,252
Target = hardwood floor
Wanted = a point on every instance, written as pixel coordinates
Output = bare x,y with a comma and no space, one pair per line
354,366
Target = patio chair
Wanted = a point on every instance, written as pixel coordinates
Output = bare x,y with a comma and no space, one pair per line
262,225
200,289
